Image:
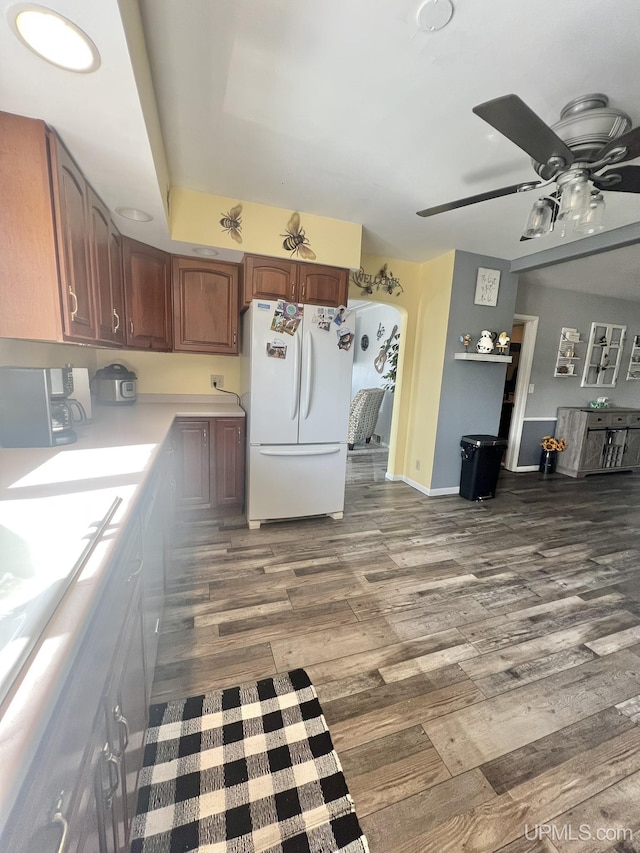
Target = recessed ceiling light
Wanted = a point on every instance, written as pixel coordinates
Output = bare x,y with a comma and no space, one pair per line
433,15
206,252
134,213
54,38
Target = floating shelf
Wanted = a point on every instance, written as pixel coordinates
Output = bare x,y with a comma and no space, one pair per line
479,356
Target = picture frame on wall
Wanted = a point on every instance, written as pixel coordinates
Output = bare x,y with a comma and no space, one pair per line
487,285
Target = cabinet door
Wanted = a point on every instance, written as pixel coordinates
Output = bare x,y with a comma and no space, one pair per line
205,306
147,296
154,524
593,449
631,454
126,709
229,461
69,196
106,271
193,463
117,285
318,285
269,278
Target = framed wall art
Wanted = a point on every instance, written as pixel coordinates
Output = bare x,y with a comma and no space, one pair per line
487,284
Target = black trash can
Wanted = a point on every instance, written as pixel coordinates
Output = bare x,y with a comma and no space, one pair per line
481,457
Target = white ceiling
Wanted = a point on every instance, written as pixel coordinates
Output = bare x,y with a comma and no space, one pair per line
342,108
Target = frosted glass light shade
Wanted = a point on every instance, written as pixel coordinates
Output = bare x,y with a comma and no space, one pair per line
574,200
539,221
593,219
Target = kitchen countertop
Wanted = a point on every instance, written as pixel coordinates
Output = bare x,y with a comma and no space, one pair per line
52,501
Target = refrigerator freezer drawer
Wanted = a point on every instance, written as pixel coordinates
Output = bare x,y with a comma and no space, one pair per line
290,481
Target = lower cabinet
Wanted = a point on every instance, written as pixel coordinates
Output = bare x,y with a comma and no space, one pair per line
598,440
209,463
80,792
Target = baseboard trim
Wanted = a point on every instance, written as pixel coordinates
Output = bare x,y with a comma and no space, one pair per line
430,493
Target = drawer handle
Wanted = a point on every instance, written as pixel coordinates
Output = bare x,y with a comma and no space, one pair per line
74,310
138,570
117,317
122,721
60,820
114,774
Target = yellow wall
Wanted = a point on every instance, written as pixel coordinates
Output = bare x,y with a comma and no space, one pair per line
174,373
424,306
195,218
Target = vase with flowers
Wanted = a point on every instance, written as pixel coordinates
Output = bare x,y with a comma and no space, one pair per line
551,446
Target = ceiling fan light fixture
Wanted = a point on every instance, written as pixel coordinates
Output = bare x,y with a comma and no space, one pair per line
593,220
539,222
575,194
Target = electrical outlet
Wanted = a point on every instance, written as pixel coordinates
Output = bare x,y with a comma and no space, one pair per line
417,464
217,381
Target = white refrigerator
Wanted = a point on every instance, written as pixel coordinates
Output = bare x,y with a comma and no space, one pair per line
297,376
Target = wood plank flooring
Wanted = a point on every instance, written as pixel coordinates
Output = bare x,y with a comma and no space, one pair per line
478,664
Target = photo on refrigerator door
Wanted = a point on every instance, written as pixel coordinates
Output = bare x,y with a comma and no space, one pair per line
286,317
276,348
345,339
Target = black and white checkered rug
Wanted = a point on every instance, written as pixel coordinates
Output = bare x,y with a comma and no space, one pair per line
248,769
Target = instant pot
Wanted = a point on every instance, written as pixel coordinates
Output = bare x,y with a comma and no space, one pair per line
114,385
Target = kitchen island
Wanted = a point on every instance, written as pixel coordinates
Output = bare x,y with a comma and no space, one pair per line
76,573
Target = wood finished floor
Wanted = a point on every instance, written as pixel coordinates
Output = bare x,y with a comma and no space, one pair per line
478,664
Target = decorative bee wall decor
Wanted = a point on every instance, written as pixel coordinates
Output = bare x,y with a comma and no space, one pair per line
231,223
295,240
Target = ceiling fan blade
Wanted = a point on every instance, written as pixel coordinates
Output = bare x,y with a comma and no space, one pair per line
474,199
629,140
623,179
518,122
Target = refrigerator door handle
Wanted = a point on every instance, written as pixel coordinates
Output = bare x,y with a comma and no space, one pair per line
308,378
296,377
303,451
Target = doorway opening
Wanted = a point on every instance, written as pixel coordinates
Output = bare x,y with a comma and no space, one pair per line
517,388
377,342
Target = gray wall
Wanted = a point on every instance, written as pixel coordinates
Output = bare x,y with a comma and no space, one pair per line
557,308
471,397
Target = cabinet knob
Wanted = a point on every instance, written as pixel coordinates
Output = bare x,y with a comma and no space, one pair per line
60,820
74,310
235,338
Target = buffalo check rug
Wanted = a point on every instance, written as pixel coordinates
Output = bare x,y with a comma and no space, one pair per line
248,769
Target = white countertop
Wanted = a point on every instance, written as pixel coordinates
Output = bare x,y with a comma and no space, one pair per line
51,501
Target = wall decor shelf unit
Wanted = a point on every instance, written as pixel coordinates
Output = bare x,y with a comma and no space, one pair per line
633,371
478,356
568,356
602,359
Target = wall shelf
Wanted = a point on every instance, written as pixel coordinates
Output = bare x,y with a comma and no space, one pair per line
565,360
479,356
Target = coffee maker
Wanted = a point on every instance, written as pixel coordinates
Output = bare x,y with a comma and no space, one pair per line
33,406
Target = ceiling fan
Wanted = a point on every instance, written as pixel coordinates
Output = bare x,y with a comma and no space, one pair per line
589,138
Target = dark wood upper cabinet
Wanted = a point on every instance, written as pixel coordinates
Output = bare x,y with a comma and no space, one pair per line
105,253
269,278
70,208
320,285
147,296
205,306
273,278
